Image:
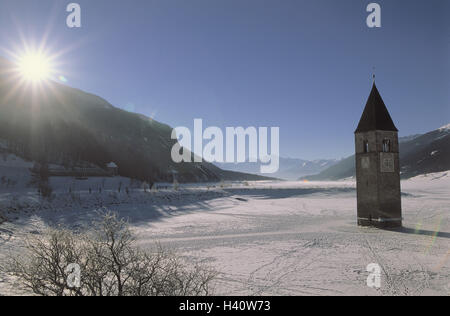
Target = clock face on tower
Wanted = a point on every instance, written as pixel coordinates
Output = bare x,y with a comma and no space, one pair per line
387,162
365,162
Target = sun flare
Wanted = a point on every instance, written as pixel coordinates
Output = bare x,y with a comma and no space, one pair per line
35,67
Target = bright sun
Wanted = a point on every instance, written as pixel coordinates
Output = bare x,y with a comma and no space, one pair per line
35,67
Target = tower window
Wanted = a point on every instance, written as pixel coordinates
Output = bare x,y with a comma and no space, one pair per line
366,146
386,145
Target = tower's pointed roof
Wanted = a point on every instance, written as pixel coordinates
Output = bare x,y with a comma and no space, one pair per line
375,115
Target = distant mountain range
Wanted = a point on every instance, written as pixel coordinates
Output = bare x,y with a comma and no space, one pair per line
419,154
54,123
290,168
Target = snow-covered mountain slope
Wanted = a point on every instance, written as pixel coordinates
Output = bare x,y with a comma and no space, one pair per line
419,154
428,153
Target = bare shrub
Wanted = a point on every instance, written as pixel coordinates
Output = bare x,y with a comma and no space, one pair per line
2,219
110,265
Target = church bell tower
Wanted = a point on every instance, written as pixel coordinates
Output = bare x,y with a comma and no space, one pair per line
377,166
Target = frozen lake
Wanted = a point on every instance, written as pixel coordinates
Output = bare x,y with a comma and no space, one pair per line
274,238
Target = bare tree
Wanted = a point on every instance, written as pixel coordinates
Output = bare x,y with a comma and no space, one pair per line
109,265
41,176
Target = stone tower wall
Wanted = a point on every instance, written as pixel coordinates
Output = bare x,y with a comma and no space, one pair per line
378,179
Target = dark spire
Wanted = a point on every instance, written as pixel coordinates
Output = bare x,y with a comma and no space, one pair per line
375,115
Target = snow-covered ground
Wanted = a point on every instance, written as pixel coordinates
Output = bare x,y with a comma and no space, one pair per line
266,238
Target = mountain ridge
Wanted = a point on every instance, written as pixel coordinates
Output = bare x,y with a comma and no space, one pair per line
289,168
419,154
60,124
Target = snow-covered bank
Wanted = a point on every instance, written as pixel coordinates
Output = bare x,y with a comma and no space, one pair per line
433,183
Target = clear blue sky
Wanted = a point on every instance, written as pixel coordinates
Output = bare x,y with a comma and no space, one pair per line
304,66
